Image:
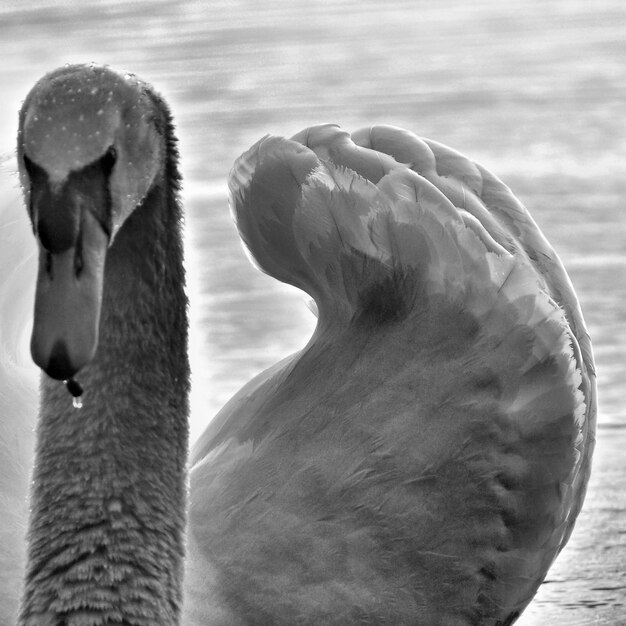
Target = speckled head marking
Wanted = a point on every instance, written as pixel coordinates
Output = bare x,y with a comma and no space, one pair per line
76,116
90,148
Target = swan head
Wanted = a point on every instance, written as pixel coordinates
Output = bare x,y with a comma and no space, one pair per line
90,147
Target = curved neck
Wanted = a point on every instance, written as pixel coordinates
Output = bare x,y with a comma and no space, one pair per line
108,499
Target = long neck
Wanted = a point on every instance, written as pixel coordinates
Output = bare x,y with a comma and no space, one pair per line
108,499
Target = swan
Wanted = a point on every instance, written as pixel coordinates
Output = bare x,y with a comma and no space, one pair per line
98,164
421,460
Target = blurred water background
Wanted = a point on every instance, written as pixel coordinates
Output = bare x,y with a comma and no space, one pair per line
533,90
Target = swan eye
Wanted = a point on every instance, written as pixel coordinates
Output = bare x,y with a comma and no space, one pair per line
38,179
34,171
107,162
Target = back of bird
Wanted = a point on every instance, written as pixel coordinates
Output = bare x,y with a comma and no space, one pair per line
424,457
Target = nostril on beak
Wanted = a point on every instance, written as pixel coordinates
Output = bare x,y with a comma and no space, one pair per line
49,265
59,364
78,258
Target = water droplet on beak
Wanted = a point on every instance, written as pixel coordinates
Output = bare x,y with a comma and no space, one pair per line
76,390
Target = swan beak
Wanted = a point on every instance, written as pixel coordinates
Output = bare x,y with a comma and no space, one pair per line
68,298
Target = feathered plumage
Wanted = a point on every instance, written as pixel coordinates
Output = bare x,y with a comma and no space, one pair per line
424,458
98,163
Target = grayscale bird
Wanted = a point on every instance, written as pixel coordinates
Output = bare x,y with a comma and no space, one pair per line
421,460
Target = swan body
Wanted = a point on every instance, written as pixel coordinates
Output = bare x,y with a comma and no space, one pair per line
424,457
421,460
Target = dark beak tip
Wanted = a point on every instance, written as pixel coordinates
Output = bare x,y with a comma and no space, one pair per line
59,365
